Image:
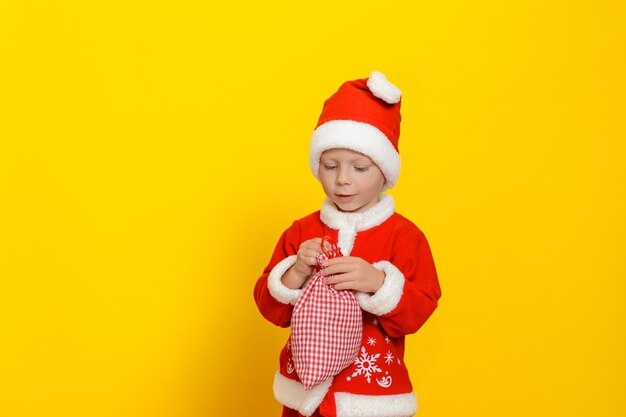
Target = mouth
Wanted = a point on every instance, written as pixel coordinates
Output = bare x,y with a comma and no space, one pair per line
345,198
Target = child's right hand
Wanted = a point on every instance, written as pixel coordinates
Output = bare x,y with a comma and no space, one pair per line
306,261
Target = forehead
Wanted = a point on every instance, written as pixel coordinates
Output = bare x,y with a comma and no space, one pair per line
345,155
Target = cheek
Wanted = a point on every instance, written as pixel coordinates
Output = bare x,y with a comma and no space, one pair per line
375,182
325,180
380,179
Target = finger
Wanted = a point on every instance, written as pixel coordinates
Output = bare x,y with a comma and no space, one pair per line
340,278
337,269
336,262
313,242
309,260
312,249
306,248
348,285
343,260
309,252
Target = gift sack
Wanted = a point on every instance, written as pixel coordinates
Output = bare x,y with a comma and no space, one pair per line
326,326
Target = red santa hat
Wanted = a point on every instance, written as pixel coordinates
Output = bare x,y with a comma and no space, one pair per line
364,116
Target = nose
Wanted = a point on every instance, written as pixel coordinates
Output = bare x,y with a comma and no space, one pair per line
343,176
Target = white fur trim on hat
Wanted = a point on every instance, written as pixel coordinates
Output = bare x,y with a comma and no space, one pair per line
275,285
355,405
382,88
360,137
293,394
388,296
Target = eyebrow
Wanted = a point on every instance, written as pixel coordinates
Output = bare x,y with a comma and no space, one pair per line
359,160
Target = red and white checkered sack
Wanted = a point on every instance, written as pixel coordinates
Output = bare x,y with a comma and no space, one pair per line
326,327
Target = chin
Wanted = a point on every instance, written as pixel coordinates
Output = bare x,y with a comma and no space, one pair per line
348,207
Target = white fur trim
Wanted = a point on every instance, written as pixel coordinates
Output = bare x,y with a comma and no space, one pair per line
349,224
360,137
293,395
346,238
382,88
388,296
354,405
274,282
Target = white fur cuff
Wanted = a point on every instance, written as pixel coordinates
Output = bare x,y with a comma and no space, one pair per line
293,395
388,296
353,405
274,282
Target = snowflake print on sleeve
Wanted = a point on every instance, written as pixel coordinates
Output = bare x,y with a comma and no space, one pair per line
389,357
371,341
366,365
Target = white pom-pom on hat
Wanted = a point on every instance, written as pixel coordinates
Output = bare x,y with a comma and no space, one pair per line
382,88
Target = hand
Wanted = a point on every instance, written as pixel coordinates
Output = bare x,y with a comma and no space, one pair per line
306,261
353,273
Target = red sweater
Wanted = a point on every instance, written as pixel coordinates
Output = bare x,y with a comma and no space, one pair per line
377,384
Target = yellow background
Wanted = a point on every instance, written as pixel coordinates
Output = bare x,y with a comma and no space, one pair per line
151,153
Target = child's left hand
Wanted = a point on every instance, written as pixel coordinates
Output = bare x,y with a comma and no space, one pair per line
353,273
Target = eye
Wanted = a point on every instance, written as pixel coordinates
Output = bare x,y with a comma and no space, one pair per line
329,167
361,169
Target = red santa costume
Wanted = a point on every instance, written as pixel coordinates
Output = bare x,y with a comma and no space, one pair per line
364,116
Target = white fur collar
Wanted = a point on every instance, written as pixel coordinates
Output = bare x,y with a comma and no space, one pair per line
349,224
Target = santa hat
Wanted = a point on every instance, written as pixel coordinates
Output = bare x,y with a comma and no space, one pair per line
364,116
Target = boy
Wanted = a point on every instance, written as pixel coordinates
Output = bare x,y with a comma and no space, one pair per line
387,261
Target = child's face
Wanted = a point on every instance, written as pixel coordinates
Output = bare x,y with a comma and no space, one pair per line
350,179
